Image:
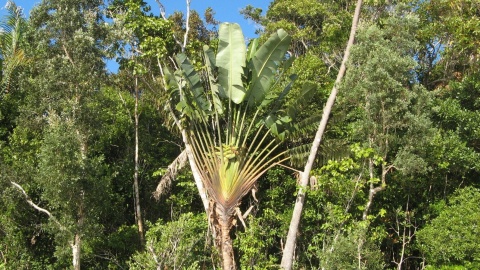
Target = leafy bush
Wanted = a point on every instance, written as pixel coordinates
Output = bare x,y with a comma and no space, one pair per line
453,238
179,244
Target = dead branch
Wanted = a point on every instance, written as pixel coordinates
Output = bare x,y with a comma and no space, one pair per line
38,208
172,172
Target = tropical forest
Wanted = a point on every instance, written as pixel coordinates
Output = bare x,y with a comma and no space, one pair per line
340,135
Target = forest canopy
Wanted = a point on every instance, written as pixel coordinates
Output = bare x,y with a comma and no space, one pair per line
193,155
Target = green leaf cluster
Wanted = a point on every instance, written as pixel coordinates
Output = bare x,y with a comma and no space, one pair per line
451,238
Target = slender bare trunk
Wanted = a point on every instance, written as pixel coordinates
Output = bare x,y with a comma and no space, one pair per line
402,253
187,27
287,259
408,232
76,251
138,210
77,239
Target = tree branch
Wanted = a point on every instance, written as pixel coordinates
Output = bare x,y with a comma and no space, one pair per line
154,255
170,174
162,9
68,55
38,208
187,26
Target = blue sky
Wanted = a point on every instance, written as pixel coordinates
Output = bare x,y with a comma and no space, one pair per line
226,11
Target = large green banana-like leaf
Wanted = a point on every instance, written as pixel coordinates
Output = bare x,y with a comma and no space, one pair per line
209,57
264,65
252,49
173,88
230,60
282,121
191,76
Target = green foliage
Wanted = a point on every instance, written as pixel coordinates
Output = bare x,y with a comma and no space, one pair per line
344,254
152,34
202,31
338,196
184,195
255,243
12,55
452,238
66,133
230,61
177,244
320,26
457,108
258,247
454,25
23,244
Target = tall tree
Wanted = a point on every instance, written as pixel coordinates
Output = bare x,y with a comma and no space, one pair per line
287,258
68,71
230,146
393,119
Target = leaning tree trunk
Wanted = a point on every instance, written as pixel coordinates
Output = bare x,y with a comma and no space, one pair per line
288,251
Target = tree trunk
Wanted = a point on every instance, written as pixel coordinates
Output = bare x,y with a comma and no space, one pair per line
228,261
76,251
195,172
287,259
138,210
77,239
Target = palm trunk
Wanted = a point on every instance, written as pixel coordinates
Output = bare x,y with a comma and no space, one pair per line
287,259
228,261
138,210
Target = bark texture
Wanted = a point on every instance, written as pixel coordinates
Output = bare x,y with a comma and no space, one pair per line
76,251
222,219
228,260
